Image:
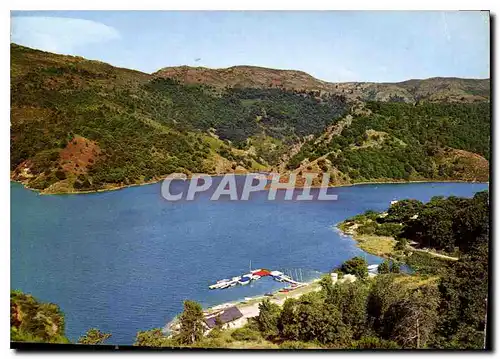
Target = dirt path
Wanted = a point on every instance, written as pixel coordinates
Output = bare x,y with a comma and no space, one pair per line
436,254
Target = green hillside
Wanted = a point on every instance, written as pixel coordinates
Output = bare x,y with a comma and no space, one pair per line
80,125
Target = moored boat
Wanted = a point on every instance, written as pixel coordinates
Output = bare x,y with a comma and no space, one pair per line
244,280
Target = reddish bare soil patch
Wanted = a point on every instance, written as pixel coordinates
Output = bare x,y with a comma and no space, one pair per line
78,155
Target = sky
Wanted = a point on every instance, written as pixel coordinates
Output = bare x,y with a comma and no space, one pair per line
334,46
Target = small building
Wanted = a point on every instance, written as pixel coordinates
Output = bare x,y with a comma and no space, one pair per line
225,316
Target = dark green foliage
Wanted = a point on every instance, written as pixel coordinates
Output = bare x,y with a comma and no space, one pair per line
245,334
401,244
442,223
423,263
356,266
457,125
367,228
402,211
282,114
416,135
374,343
384,267
451,222
388,229
464,290
407,316
94,337
32,321
471,222
153,338
288,322
411,320
395,267
267,319
191,323
383,293
294,345
351,300
311,318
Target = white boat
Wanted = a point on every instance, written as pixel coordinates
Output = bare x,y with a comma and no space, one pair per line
219,284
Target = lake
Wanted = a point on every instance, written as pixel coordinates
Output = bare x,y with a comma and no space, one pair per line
124,261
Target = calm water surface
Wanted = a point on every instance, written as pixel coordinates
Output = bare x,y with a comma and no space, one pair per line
124,261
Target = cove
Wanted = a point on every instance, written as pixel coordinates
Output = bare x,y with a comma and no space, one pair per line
124,261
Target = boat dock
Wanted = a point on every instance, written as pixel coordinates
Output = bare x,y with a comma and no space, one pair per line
254,275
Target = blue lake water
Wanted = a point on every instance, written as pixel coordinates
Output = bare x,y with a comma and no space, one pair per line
124,261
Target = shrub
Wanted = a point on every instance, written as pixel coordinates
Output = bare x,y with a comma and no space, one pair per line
368,228
297,345
374,343
401,244
245,334
356,266
61,175
388,229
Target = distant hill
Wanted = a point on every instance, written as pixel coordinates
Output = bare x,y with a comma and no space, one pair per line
433,89
81,125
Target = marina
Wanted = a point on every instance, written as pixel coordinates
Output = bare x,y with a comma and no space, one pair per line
255,275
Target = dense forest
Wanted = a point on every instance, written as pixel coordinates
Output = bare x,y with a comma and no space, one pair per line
443,307
79,125
404,141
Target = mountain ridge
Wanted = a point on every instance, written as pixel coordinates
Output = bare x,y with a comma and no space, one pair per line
82,125
411,90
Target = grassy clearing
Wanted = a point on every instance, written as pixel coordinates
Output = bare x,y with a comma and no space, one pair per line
377,245
415,281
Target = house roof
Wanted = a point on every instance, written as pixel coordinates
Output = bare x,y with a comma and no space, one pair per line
228,315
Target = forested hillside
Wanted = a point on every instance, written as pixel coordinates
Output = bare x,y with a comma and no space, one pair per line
80,125
408,142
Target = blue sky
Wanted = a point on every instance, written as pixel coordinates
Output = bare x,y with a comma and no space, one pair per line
332,46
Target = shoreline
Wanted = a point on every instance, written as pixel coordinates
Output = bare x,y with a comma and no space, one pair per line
155,181
249,306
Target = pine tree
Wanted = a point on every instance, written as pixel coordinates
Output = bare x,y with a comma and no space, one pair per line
191,323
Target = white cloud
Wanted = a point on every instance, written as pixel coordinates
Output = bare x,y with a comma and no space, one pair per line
58,34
